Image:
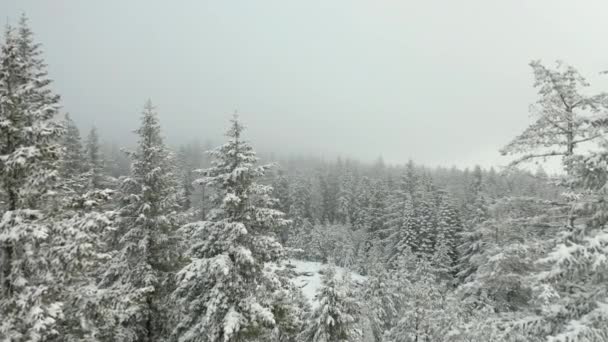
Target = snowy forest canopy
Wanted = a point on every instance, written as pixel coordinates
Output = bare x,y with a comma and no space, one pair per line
155,244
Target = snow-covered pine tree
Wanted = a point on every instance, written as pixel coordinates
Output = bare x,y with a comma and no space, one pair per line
475,206
424,217
137,277
376,209
572,292
29,154
94,161
442,262
470,238
427,312
40,96
73,161
222,294
361,203
281,191
329,188
346,196
79,255
401,231
336,317
383,298
501,266
290,308
449,226
186,176
300,215
562,115
190,160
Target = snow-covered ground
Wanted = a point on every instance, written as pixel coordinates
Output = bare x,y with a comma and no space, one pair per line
309,279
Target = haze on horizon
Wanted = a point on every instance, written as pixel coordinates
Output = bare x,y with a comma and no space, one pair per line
440,82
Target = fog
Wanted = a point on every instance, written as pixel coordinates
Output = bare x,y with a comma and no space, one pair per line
441,82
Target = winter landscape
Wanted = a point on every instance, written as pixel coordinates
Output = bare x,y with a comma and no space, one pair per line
314,212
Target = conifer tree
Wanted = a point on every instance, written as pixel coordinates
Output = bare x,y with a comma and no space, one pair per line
337,315
449,226
424,217
361,204
95,164
137,277
377,208
401,230
572,279
79,253
562,115
29,154
427,313
72,161
73,157
299,212
223,293
382,300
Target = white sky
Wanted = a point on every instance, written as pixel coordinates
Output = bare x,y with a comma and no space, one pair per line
441,82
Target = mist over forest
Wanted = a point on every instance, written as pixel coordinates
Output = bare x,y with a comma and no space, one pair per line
179,194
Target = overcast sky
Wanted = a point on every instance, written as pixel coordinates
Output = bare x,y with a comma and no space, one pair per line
441,82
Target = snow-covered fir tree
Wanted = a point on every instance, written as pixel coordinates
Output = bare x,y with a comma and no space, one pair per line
224,293
72,161
427,312
137,279
449,226
571,292
401,229
29,156
94,161
336,318
383,300
562,115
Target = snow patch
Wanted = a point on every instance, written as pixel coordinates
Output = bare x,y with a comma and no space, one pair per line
309,279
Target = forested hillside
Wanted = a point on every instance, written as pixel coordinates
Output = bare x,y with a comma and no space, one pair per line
198,243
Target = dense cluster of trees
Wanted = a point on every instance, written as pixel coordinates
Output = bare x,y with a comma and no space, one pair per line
158,244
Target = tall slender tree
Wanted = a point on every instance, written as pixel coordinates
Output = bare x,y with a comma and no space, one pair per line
29,154
137,277
73,160
95,164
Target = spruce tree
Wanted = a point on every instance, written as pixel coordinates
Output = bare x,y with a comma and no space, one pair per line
562,120
137,277
336,317
73,157
300,214
401,229
224,293
72,161
571,290
427,312
29,155
424,217
382,300
95,164
449,226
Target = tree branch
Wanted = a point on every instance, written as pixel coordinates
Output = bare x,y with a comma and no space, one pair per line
533,156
